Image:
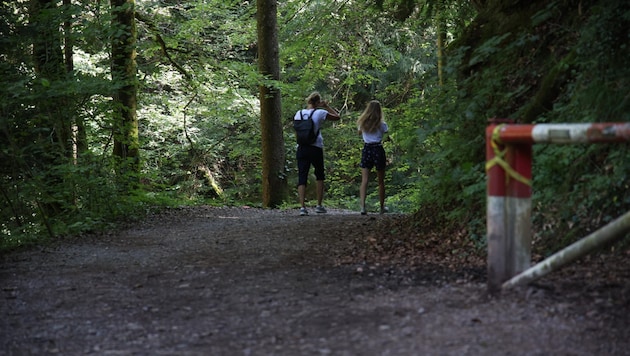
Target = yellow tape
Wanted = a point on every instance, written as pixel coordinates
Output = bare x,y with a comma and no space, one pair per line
498,159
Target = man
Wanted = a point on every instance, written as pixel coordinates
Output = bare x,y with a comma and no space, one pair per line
313,154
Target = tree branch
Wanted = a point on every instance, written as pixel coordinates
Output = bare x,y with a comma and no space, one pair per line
160,41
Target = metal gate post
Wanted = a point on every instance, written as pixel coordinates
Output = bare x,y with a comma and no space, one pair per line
495,217
508,170
519,209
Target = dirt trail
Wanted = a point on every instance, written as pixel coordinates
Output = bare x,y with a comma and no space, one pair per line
228,281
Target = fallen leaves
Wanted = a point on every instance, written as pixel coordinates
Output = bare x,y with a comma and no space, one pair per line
404,242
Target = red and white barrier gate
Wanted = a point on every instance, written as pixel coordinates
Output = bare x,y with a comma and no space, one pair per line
509,189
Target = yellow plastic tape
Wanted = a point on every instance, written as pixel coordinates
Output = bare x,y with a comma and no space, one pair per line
499,159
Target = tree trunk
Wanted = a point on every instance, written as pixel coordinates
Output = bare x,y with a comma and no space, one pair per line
78,133
126,142
441,39
274,184
52,117
49,66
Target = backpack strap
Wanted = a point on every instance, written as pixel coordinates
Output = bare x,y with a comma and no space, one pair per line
309,116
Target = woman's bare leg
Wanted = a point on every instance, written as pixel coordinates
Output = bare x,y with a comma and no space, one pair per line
365,176
381,189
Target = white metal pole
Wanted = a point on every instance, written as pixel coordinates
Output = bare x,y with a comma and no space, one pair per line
615,230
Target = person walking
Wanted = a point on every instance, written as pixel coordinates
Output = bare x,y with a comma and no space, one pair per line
313,154
372,127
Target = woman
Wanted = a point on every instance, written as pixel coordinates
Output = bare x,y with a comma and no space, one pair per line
372,127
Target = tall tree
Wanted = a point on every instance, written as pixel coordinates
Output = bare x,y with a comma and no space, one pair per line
273,156
49,67
126,142
51,118
440,44
79,134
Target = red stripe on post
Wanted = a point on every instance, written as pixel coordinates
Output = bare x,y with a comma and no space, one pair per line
517,133
519,157
496,174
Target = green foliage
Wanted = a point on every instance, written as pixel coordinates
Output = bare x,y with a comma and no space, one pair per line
86,200
576,76
592,184
198,112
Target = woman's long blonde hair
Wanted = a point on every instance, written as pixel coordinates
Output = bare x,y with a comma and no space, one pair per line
371,118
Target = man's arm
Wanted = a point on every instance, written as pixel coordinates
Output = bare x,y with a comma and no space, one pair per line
331,114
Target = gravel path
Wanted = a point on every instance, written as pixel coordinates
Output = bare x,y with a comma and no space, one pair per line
238,281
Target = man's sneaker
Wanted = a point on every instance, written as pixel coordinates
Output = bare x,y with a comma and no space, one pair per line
363,211
320,209
303,211
384,210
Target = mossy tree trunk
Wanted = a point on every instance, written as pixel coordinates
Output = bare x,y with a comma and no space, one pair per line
51,116
49,67
126,142
441,42
274,184
79,134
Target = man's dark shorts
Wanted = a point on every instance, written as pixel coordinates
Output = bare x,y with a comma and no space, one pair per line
373,155
307,155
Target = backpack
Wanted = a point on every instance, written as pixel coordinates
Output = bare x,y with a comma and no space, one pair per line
305,129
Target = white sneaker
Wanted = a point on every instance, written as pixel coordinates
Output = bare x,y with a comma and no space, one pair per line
320,209
303,212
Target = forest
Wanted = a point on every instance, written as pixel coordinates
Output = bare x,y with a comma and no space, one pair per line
112,109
